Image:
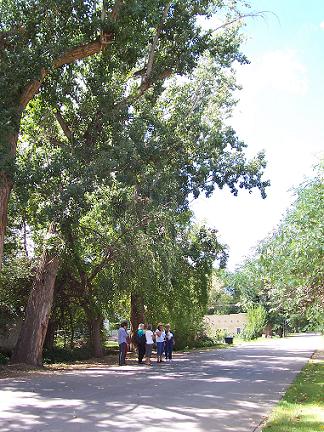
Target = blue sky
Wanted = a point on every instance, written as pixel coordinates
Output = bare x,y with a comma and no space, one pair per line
281,110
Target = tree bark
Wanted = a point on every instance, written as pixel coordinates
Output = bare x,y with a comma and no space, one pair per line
137,315
95,335
31,339
5,189
50,335
6,183
71,325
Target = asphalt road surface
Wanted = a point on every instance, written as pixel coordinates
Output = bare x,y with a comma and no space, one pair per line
218,390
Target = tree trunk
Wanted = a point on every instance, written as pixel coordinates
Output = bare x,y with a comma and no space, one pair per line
137,315
71,325
6,183
50,335
5,189
95,336
31,339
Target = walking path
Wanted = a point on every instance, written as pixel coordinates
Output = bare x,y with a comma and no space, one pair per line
214,391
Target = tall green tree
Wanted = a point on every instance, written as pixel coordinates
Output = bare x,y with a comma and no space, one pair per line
42,42
165,146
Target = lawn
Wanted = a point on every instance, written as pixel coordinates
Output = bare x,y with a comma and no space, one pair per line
302,407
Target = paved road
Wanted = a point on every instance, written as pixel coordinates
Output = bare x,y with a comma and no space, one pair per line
219,390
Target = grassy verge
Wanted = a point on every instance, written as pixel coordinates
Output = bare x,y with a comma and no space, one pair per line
302,407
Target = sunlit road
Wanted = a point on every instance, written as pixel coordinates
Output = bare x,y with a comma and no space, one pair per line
224,390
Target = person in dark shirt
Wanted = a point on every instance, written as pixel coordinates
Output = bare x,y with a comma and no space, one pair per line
141,342
169,342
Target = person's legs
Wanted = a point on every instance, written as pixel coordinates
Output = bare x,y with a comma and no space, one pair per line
148,353
122,353
141,352
166,352
170,351
159,351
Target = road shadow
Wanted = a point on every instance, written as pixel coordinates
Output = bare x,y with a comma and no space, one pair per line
224,390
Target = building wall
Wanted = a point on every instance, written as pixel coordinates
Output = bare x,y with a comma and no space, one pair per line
233,323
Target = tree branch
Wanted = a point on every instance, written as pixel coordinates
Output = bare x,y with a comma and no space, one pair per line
65,128
96,123
108,256
239,18
72,55
75,255
69,57
154,44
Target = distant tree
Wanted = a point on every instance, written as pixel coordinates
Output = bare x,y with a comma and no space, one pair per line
286,273
222,299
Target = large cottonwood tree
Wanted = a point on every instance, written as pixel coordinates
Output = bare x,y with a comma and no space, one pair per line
94,105
149,39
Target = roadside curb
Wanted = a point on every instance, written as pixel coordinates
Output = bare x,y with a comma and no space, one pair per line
262,423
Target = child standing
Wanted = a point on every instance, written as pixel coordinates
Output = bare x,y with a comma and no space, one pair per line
169,342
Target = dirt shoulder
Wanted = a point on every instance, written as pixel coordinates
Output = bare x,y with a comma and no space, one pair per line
23,371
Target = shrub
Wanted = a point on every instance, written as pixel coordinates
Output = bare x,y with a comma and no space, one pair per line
3,359
256,321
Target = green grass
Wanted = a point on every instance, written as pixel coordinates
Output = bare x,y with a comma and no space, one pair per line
302,407
111,344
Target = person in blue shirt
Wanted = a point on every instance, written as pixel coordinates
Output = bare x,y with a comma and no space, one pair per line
123,339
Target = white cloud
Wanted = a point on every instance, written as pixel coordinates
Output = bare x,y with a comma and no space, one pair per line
278,113
280,70
322,25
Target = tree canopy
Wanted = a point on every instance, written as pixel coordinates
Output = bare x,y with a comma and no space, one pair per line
114,117
286,273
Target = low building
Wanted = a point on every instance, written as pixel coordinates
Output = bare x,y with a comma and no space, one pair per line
231,324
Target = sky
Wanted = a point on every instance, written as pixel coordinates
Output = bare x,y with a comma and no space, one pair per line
281,111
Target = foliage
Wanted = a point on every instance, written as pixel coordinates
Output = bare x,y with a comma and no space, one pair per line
256,321
222,300
15,284
286,274
110,152
66,355
3,359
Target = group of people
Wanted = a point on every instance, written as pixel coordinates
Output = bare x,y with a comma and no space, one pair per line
145,338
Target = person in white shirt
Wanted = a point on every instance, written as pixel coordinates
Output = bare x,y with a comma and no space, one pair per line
160,338
149,344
